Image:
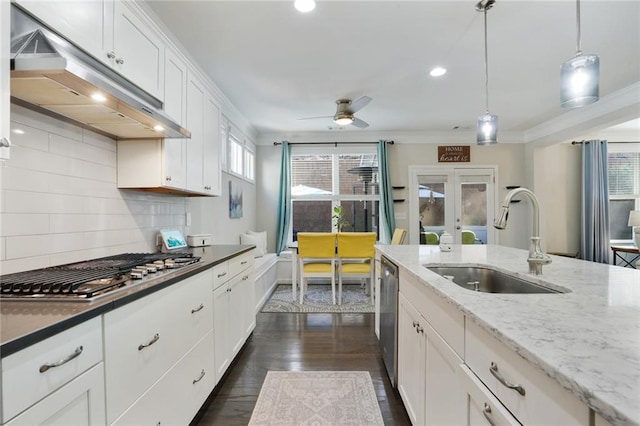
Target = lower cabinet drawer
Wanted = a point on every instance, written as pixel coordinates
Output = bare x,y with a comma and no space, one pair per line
33,373
145,338
78,403
179,394
240,263
527,392
482,406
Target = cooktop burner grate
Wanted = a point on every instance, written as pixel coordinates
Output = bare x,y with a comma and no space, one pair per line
84,279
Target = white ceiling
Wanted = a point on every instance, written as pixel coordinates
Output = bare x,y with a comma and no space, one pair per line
277,65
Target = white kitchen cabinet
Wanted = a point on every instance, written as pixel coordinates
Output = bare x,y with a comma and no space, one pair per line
427,371
482,408
211,159
411,361
234,314
114,32
203,149
38,371
138,51
530,395
145,338
159,164
79,402
5,37
178,395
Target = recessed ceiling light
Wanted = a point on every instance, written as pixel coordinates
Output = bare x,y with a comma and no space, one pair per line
305,6
437,72
158,128
98,97
18,131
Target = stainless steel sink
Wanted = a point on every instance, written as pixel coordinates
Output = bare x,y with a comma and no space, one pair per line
488,280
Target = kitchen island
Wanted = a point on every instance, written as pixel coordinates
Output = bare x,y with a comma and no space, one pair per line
587,340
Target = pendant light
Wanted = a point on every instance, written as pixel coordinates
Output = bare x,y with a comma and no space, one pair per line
487,127
579,76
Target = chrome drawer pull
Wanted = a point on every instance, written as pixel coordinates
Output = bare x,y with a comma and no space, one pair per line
151,342
222,275
198,309
494,371
63,361
199,378
246,277
487,414
244,262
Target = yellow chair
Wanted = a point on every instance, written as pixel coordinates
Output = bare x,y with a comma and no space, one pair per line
398,236
431,238
317,258
355,258
468,237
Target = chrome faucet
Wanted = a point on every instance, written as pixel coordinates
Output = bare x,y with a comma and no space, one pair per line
537,257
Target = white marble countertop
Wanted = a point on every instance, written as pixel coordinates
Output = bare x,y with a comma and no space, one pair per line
587,340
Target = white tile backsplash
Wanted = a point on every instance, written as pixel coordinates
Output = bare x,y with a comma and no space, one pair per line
60,202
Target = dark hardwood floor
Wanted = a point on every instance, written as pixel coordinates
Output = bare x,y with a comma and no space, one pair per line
301,342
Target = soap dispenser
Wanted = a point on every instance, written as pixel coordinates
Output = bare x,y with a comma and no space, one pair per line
446,241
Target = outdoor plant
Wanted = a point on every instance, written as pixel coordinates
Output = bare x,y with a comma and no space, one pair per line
338,215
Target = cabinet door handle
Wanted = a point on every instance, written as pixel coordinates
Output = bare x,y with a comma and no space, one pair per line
75,354
222,275
494,370
244,262
199,378
151,342
119,61
111,55
246,277
487,414
198,309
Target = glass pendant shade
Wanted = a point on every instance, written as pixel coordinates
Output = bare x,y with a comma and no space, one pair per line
487,129
579,81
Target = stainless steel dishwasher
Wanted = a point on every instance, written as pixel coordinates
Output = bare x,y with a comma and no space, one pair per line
389,317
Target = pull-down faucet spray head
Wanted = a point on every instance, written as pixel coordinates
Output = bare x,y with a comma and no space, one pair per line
537,257
501,221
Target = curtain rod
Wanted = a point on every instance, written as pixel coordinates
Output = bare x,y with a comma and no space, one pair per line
330,143
587,142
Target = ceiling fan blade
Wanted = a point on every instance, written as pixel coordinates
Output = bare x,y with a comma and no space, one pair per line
313,118
359,103
359,123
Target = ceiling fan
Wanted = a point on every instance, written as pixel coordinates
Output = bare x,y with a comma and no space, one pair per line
345,112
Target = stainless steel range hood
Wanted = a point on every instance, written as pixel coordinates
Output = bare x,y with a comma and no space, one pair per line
53,76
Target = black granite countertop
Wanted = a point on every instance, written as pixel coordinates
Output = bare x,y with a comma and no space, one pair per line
25,323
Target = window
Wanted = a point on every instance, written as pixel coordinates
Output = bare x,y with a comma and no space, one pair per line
237,152
321,181
624,188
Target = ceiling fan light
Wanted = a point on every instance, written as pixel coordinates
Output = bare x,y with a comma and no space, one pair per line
343,120
304,6
579,81
487,129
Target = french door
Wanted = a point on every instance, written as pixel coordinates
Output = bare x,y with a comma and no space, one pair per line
459,201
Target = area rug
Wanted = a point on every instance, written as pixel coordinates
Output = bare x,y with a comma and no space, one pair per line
317,398
317,298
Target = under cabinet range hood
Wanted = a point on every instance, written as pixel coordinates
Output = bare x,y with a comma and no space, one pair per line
53,76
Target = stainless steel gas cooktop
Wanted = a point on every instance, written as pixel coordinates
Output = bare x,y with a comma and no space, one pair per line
88,280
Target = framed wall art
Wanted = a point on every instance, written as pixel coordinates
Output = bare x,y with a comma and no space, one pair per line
235,200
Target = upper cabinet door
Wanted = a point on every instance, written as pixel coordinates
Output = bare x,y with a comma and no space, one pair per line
195,124
4,79
88,24
212,176
138,51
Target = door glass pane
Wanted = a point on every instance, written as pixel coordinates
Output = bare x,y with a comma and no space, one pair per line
619,218
311,216
474,213
432,209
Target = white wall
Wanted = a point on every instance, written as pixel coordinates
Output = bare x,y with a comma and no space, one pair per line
59,201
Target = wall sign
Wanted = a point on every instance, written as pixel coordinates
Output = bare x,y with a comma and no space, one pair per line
454,154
